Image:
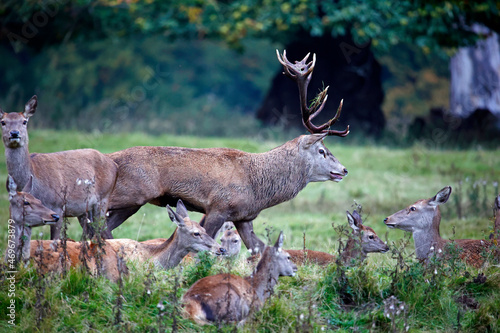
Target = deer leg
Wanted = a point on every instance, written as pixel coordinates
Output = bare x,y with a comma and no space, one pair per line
55,229
251,241
87,228
116,217
212,223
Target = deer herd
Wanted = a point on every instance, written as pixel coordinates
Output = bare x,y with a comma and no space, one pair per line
224,184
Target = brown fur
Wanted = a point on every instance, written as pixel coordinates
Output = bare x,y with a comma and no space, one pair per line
363,240
423,219
80,181
230,298
189,236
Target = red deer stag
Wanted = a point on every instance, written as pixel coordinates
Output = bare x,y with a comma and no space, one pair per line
230,298
189,236
228,184
363,240
73,183
423,218
26,212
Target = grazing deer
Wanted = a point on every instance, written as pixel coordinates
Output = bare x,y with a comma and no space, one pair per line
229,184
73,183
363,240
189,236
423,218
26,212
230,298
231,241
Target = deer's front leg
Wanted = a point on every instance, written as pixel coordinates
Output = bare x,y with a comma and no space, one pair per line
251,241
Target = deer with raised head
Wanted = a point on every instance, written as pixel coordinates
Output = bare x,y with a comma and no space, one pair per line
229,184
26,212
73,183
423,219
362,241
189,236
230,298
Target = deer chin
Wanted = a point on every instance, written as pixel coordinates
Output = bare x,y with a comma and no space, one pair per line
336,177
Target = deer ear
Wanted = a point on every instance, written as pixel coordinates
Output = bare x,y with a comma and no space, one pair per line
1,113
176,218
29,186
30,107
353,223
441,197
181,209
279,242
309,140
11,187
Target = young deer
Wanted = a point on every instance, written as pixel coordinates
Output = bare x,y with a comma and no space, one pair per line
423,219
26,212
230,298
363,240
189,236
229,184
73,183
231,241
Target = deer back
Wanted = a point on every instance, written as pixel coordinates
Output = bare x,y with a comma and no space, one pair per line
229,298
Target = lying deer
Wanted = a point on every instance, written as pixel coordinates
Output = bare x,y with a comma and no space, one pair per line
230,298
26,212
189,236
363,240
73,183
229,184
231,241
423,219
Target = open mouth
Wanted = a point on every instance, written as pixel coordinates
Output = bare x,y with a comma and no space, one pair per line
13,139
336,177
392,226
384,251
49,222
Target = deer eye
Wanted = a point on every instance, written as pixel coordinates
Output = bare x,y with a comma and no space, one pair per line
412,208
3,123
26,203
322,152
371,237
197,234
25,122
235,241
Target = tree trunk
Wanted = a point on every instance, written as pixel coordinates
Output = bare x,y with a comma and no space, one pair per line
350,70
475,76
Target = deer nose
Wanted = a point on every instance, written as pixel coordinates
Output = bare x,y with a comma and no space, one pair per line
14,134
385,220
222,250
345,171
55,217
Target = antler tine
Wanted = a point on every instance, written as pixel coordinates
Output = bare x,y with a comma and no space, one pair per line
301,72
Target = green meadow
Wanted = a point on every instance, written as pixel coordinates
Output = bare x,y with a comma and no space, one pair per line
440,296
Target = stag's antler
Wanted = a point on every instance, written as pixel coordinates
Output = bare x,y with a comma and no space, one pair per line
301,72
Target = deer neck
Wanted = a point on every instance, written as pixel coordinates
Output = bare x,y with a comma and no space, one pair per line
264,278
19,165
352,250
279,174
429,241
169,253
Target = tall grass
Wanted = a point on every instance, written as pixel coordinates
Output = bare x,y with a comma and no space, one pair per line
441,296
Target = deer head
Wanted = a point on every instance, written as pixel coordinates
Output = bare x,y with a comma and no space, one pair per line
27,210
422,216
231,241
190,233
370,242
15,125
325,166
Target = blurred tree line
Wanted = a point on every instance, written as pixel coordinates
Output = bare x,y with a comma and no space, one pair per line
206,66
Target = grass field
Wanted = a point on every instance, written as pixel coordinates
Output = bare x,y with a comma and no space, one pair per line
382,180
